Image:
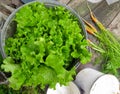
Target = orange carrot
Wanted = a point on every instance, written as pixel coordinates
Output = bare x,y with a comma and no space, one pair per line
95,20
90,26
89,30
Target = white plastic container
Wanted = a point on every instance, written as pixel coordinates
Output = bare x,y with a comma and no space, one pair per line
95,82
70,89
94,1
111,1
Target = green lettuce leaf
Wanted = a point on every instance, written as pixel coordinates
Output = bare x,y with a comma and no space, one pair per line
46,43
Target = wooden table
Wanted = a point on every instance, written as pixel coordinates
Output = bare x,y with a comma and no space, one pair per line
108,15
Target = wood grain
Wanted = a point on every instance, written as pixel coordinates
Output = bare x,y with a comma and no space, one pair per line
115,26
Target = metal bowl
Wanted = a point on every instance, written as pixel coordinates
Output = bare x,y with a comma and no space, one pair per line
10,26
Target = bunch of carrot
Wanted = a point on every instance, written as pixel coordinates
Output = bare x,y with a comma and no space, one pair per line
108,46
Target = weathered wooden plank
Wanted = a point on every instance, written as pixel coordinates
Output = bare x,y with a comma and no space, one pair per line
6,1
75,3
64,1
16,3
103,11
3,16
115,26
7,7
82,8
106,13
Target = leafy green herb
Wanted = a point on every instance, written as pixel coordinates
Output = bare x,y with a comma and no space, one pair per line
111,46
108,46
46,42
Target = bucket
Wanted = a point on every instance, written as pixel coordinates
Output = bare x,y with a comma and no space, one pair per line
9,27
70,89
94,1
95,82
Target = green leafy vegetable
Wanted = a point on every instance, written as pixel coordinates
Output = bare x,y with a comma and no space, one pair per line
44,45
108,46
4,89
111,46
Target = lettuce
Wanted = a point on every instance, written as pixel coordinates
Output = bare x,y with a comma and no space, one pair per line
45,44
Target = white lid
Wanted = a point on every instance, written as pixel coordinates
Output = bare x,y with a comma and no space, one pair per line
106,84
71,89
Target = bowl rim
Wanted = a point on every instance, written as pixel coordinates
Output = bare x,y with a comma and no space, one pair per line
46,3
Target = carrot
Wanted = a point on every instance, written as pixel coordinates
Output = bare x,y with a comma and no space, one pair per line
89,30
90,26
108,46
95,20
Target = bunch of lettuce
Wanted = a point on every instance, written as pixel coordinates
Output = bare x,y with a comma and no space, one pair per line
44,45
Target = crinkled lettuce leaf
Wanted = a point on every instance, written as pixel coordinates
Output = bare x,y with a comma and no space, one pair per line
45,44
